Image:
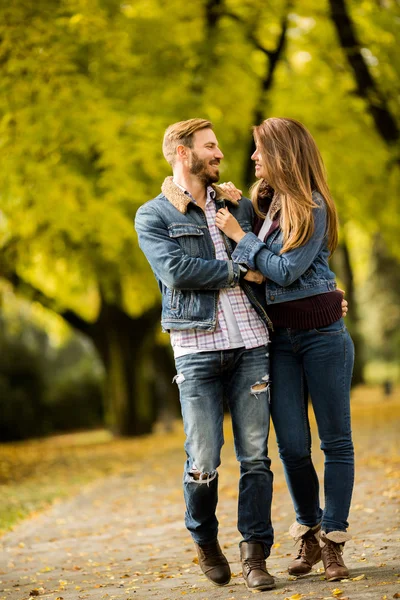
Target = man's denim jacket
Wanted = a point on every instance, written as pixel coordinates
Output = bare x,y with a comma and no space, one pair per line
296,274
174,236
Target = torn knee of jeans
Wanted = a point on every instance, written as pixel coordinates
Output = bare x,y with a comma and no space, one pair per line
198,476
260,386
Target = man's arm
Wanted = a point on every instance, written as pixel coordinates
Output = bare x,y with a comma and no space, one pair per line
171,265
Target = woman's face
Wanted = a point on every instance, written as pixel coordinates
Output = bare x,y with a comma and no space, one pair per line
260,165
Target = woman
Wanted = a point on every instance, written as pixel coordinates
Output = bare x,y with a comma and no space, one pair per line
312,350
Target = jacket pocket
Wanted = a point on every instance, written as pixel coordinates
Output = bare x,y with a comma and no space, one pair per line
189,236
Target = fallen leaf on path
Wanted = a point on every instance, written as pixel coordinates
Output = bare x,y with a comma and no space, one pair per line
337,592
358,578
396,595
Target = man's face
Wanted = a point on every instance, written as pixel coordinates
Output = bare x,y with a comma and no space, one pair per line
205,156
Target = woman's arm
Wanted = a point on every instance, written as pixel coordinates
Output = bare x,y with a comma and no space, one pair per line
284,269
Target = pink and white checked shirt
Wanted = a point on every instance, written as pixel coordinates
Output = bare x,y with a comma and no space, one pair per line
234,309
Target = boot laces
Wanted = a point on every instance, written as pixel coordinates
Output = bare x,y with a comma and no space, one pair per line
255,563
333,553
306,544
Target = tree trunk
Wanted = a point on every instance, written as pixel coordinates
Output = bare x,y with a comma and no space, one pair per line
125,345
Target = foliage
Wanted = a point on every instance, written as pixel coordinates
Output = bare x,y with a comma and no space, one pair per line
84,103
87,88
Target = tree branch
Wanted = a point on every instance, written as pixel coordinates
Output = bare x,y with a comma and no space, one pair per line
35,295
267,81
366,86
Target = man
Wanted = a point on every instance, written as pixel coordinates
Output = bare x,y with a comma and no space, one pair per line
219,334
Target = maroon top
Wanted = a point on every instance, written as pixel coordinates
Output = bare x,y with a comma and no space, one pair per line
308,313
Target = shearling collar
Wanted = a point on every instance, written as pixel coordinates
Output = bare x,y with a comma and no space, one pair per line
275,207
180,200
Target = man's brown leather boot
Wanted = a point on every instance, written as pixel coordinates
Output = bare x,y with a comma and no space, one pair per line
331,551
254,569
213,563
309,551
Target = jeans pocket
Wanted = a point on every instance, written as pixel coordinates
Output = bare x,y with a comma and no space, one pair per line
334,328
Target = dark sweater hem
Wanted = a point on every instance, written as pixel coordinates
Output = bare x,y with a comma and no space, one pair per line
308,313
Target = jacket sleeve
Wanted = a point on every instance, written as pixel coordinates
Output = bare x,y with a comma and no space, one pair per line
283,269
170,263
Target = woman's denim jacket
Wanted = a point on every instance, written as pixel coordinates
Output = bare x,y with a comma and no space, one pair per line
296,274
175,239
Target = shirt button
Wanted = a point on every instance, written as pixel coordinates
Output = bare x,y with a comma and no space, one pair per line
272,298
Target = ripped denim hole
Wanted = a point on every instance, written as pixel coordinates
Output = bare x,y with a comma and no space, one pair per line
197,476
260,386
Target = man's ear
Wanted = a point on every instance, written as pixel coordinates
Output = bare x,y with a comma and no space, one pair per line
182,152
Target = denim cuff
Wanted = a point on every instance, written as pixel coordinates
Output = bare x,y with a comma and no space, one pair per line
247,249
234,274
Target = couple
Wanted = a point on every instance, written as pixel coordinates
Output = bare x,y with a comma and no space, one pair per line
235,275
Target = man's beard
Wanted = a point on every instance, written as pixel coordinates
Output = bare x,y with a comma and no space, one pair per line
199,167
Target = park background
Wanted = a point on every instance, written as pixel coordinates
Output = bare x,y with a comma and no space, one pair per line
87,90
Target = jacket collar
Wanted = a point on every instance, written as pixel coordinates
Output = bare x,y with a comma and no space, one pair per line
275,207
180,200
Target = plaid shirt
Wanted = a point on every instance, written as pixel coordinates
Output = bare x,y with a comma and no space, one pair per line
251,331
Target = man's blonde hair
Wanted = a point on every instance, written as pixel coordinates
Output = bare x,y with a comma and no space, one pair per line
181,134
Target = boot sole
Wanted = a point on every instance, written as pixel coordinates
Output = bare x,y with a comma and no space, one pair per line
218,584
261,588
336,578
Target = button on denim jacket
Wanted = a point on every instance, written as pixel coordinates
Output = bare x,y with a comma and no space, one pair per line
296,274
175,239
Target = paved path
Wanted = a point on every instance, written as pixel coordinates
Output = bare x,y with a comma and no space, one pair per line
124,538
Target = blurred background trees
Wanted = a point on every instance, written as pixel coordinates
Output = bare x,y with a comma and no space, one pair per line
87,89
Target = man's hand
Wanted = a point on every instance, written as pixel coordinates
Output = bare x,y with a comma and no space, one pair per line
345,304
254,276
231,191
229,225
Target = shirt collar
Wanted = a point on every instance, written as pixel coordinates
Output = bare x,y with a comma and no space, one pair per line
210,192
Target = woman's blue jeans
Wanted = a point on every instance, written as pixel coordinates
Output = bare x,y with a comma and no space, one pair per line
241,377
318,362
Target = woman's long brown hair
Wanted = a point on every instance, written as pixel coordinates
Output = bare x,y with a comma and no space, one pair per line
294,168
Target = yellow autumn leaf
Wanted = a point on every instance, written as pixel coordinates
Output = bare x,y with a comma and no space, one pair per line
337,592
358,578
